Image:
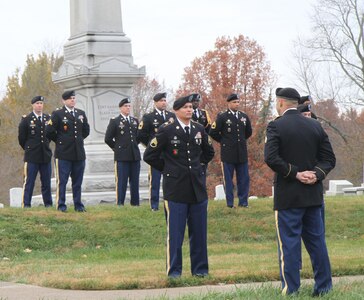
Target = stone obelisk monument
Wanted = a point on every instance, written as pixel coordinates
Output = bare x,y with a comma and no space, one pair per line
98,65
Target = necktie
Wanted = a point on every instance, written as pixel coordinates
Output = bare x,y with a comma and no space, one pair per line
195,114
40,118
127,120
237,115
187,129
72,113
164,118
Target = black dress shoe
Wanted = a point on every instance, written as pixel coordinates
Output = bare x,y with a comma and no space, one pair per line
319,294
81,210
201,275
231,206
63,209
244,206
155,209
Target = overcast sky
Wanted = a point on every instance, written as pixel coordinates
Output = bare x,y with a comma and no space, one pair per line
166,34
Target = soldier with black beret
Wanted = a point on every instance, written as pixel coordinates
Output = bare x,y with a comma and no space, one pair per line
307,100
231,129
37,154
298,150
179,150
146,132
68,128
200,115
305,110
121,137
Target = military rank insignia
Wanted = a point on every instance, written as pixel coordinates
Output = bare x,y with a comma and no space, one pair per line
154,143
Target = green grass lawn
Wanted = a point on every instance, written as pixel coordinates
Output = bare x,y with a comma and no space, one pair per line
124,248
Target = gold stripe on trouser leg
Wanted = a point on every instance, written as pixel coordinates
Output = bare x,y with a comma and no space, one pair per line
223,176
167,219
150,185
284,291
116,181
57,183
25,175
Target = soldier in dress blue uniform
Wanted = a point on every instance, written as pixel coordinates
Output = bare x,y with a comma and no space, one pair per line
307,100
179,150
231,129
37,154
147,130
200,115
121,136
298,150
68,128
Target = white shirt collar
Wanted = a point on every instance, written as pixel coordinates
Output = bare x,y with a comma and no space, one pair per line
159,111
183,125
41,115
292,108
125,117
69,109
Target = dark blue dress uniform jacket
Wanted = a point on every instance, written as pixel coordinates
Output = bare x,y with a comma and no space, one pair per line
232,134
203,118
150,123
295,144
180,161
32,138
68,133
122,138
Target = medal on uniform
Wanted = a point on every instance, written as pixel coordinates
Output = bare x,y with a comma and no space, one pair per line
80,117
65,125
198,138
121,125
229,129
122,131
243,120
175,152
175,141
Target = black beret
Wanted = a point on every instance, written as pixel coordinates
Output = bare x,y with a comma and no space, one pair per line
196,97
124,101
37,98
288,93
159,96
68,94
304,108
303,99
232,97
180,102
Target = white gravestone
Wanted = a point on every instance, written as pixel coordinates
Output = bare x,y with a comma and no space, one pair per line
336,187
15,196
219,192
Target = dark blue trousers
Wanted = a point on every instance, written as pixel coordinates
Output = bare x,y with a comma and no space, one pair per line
30,174
292,225
65,169
154,186
127,170
242,182
195,216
